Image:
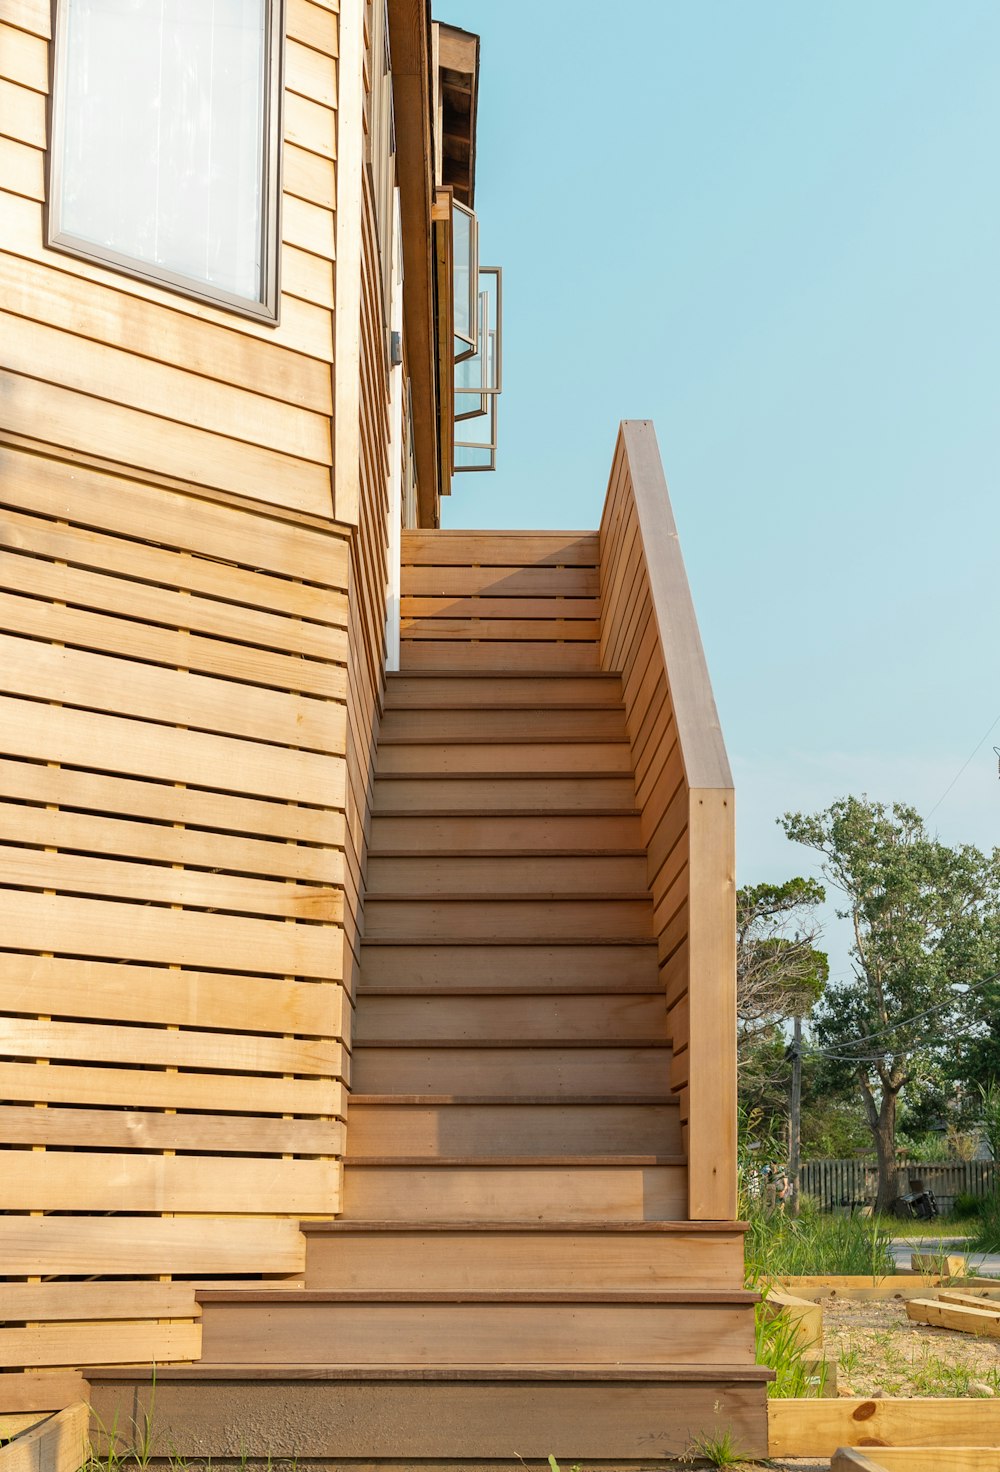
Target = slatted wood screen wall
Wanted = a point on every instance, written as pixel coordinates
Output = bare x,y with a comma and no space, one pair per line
177,387
684,792
500,600
172,830
369,573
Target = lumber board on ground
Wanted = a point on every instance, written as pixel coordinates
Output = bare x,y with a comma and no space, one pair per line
816,1428
984,1322
807,1317
60,1443
918,1459
948,1265
849,1459
862,1288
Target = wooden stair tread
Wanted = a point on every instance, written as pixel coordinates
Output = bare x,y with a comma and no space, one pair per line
336,1226
576,896
505,813
583,852
489,1162
514,989
558,1101
476,1373
506,940
434,1295
592,774
519,1043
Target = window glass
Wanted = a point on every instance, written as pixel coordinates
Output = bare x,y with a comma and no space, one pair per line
162,122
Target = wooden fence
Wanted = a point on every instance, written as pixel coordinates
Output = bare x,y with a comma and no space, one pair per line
836,1183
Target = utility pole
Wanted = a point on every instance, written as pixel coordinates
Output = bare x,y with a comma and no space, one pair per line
795,1120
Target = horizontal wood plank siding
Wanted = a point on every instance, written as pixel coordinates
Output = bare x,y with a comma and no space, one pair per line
115,367
684,791
498,601
173,730
369,575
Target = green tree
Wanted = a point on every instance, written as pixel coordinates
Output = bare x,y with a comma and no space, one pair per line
779,974
779,971
925,917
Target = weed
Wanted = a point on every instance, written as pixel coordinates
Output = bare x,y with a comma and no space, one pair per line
718,1451
576,1467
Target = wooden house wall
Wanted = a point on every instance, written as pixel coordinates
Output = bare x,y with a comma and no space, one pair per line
368,583
192,666
145,377
172,800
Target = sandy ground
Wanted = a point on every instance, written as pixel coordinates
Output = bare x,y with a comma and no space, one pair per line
879,1350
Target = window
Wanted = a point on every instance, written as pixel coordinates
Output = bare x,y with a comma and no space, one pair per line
166,143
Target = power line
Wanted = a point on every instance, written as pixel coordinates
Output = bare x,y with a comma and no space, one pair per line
962,768
838,1050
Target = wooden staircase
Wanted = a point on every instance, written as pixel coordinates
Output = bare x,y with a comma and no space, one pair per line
514,1272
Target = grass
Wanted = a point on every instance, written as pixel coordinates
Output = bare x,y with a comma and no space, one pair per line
780,1246
717,1451
985,1227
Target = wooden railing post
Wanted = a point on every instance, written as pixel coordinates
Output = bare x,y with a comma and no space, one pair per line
649,635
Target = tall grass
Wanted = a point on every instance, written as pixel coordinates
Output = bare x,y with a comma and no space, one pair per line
986,1226
778,1245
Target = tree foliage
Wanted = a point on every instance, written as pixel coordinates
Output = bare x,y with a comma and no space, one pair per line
779,974
925,917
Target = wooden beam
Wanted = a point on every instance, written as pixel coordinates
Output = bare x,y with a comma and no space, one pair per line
705,760
817,1428
984,1322
848,1459
918,1459
346,473
58,1444
409,40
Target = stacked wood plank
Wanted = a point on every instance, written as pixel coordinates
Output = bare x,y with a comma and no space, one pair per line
172,796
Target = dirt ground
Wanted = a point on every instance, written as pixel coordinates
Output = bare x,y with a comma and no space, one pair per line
880,1351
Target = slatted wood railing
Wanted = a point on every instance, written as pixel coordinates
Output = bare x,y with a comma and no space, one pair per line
684,788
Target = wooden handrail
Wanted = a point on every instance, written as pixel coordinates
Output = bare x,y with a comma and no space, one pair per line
684,789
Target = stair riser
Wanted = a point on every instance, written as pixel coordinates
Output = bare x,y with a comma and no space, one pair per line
530,758
318,1423
515,1193
515,794
544,919
594,1019
512,1072
503,657
487,968
476,1334
527,1129
524,1262
584,834
483,722
553,691
472,874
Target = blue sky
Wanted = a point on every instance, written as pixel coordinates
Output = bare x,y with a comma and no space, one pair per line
773,228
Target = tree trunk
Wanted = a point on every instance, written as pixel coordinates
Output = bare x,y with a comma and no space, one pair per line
884,1133
882,1123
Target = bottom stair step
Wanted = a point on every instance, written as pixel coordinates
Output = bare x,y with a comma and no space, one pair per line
446,1415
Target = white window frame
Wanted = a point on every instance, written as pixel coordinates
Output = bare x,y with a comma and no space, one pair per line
267,307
